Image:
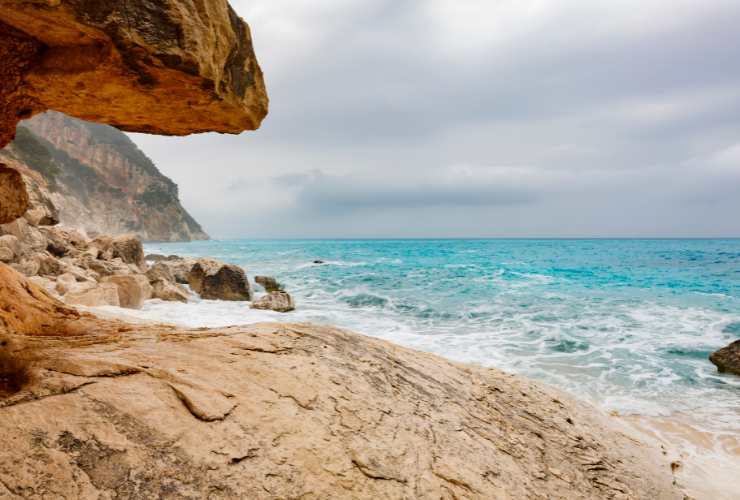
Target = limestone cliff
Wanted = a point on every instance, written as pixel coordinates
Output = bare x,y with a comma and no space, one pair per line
165,67
99,180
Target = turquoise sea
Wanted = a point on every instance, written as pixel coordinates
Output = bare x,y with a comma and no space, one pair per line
627,324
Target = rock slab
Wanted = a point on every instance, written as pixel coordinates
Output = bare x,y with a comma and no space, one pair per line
300,411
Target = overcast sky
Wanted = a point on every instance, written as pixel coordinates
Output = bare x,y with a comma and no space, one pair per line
408,118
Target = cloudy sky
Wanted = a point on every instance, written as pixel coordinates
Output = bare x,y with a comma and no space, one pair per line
408,118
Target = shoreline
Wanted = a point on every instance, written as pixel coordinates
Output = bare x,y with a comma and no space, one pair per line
703,463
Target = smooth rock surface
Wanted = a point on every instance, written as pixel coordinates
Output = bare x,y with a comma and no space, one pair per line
300,411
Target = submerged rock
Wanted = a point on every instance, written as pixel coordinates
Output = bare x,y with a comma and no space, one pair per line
215,280
727,359
279,301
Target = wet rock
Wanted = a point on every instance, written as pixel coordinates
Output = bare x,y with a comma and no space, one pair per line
133,289
727,359
215,280
269,283
279,301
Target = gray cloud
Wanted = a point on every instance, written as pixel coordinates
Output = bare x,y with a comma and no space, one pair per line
613,118
331,195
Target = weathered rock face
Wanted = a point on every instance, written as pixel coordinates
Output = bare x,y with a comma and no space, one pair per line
279,301
300,411
169,67
93,177
13,195
215,280
727,359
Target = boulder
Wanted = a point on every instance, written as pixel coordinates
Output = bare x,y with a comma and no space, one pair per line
727,359
11,244
13,195
160,271
279,301
27,267
62,242
269,283
166,290
180,269
6,254
69,283
215,280
129,249
48,265
133,289
101,294
126,247
31,238
103,267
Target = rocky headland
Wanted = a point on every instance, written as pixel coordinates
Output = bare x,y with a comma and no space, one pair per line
98,180
101,408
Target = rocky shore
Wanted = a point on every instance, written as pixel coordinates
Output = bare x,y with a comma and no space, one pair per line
294,411
113,271
101,408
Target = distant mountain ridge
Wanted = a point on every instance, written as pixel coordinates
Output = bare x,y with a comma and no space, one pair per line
99,180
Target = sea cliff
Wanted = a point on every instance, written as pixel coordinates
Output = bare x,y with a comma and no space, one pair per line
99,180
